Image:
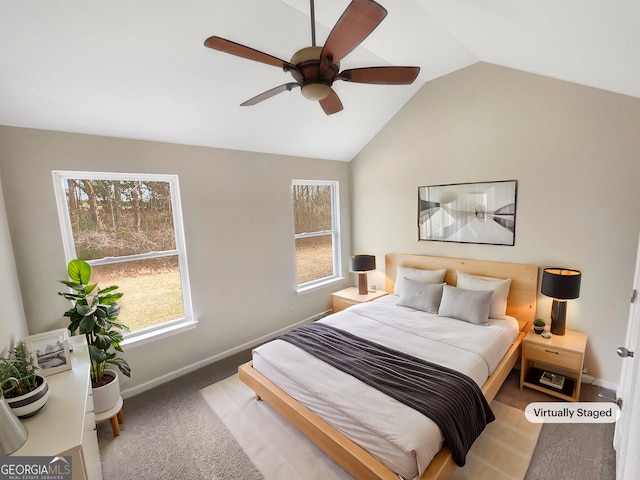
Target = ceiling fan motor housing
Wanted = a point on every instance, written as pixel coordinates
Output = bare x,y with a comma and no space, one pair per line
315,86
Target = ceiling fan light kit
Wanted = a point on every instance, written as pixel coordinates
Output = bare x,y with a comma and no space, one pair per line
307,61
315,68
316,91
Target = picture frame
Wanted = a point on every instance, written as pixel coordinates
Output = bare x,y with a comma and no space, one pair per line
51,351
480,212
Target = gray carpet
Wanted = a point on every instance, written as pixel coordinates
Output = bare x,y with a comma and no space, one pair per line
574,451
170,432
566,451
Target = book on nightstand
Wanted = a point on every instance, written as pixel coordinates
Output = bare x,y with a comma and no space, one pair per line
552,380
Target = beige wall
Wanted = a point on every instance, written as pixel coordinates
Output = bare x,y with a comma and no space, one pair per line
575,152
238,227
13,326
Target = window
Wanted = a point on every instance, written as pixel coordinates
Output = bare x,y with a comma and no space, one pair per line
315,214
128,227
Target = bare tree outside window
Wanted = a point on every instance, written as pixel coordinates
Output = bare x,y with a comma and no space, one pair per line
115,218
125,228
316,234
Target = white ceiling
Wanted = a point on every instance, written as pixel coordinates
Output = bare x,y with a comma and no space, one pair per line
138,69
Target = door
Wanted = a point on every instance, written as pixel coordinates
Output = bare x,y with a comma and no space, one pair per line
626,440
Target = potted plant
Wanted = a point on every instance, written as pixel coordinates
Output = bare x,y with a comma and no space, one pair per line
25,391
95,315
539,325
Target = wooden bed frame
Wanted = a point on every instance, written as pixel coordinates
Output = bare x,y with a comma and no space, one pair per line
521,304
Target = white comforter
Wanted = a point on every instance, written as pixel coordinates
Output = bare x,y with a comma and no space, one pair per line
402,438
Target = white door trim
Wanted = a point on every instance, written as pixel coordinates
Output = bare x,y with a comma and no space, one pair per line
626,440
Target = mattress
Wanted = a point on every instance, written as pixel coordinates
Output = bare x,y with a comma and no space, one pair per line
402,438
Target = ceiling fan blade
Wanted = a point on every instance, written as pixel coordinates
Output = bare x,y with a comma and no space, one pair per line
331,104
380,75
269,93
233,48
356,23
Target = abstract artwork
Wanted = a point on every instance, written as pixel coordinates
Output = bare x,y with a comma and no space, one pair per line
483,212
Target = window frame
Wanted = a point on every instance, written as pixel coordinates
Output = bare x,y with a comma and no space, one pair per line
334,232
164,329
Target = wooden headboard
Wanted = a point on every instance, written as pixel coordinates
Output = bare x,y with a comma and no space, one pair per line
521,302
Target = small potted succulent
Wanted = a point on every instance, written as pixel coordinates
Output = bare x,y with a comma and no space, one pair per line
25,391
539,325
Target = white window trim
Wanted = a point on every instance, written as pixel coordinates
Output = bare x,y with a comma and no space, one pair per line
165,329
335,233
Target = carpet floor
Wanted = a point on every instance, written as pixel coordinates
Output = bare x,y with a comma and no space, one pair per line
171,431
279,451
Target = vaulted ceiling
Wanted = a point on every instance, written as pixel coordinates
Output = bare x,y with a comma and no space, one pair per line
138,69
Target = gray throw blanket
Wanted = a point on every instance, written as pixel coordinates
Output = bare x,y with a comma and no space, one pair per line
449,398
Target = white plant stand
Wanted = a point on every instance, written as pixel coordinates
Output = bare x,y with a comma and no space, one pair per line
115,415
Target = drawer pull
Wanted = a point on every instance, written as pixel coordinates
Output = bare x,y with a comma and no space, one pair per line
550,351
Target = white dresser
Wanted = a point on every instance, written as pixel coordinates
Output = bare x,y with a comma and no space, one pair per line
66,425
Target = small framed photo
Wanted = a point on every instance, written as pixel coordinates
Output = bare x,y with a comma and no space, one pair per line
50,351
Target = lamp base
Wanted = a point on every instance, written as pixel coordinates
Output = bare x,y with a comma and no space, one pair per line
558,317
363,288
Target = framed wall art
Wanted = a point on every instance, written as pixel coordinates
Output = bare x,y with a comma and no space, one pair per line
483,212
51,351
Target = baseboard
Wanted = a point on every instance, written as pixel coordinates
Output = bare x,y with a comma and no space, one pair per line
143,387
598,382
605,384
589,380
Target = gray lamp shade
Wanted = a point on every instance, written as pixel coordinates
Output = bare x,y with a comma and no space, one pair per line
13,433
561,283
363,263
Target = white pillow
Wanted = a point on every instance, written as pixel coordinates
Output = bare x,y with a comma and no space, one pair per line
468,305
425,276
499,287
421,295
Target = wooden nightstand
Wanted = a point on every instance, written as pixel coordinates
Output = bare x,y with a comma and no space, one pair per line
563,354
350,296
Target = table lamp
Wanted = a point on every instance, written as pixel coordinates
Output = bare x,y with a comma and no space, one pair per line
362,264
561,284
13,433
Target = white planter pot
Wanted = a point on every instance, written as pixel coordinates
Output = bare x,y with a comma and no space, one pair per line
106,397
29,404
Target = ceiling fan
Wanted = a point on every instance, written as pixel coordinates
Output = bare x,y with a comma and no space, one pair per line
315,68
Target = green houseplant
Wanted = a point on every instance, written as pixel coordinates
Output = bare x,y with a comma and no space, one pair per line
24,390
95,315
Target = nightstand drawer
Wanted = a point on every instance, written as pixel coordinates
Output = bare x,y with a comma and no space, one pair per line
341,303
554,356
351,296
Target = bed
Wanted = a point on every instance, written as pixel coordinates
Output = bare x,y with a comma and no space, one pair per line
270,375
